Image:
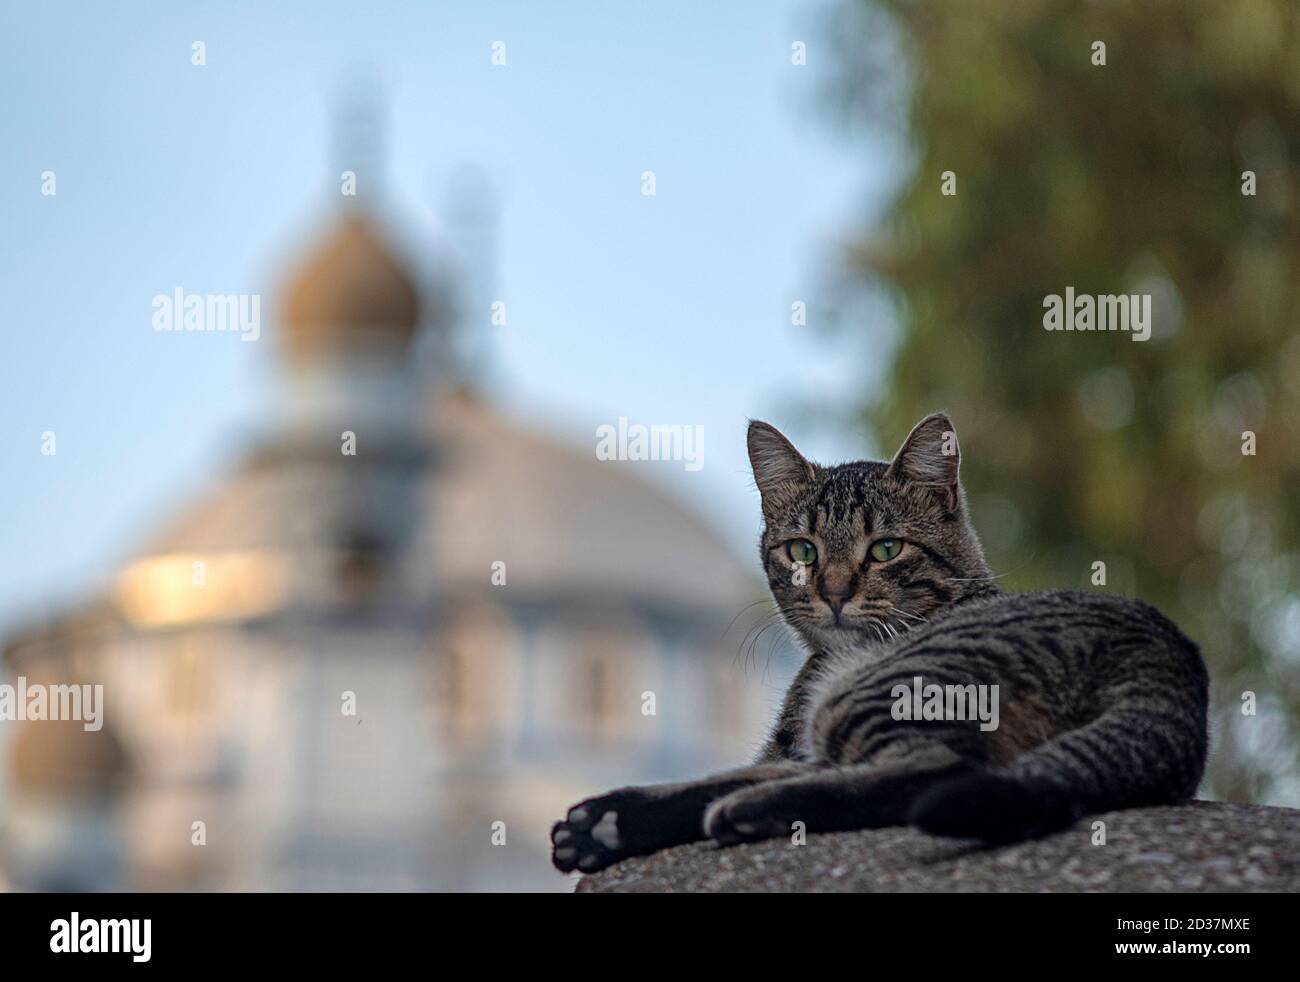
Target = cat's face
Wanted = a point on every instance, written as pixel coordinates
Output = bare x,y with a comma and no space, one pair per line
862,551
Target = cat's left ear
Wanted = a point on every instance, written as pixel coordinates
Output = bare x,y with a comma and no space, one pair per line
930,457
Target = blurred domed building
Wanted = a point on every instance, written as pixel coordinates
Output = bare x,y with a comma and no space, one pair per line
390,647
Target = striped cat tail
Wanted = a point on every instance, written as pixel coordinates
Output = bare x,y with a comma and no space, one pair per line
993,807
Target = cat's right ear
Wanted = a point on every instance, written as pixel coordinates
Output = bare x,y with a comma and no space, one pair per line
780,471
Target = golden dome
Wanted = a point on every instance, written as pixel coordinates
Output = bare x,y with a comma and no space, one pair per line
351,291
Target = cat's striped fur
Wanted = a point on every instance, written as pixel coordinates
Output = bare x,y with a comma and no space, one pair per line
1103,701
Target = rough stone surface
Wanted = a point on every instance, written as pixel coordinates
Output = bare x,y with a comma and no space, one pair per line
1204,847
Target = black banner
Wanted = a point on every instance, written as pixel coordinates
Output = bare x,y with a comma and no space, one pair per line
148,932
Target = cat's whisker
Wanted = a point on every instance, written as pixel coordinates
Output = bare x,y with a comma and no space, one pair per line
762,600
874,624
741,655
778,628
904,612
748,647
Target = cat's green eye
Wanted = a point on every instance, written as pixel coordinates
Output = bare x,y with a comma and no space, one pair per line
883,550
802,552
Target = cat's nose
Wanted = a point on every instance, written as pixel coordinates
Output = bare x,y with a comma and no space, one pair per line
837,586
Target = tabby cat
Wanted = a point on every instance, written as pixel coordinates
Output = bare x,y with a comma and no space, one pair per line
876,568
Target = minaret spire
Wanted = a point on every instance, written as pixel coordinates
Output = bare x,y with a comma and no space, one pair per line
470,215
359,139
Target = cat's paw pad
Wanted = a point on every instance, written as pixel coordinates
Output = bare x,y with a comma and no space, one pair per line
589,838
743,816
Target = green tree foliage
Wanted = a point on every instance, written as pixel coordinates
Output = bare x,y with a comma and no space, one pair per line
1125,177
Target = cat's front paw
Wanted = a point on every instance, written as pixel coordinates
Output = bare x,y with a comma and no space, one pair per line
589,838
747,815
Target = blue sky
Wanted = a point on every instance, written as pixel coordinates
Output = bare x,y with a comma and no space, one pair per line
669,309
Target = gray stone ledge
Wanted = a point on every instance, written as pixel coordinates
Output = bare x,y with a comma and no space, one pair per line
1203,847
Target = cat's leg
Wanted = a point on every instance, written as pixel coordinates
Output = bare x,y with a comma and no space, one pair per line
851,796
635,821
